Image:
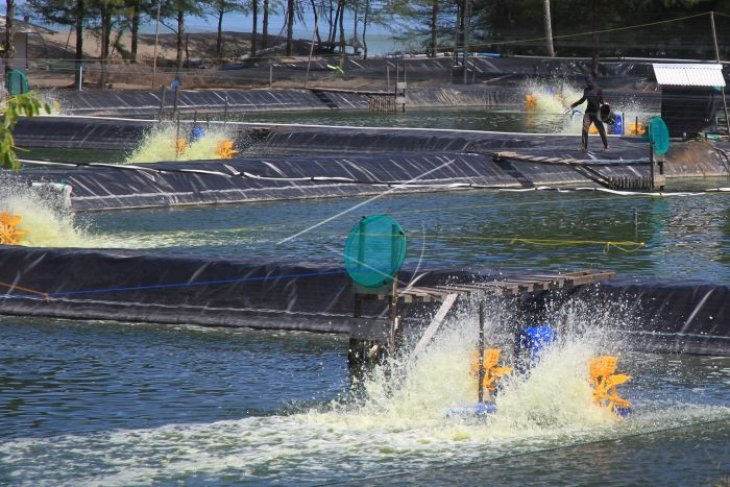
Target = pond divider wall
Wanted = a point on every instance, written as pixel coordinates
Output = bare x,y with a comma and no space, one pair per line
137,287
105,187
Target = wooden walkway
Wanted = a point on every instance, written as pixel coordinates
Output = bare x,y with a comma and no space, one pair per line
568,161
385,330
507,286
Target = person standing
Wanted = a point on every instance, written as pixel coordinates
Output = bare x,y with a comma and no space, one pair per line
593,94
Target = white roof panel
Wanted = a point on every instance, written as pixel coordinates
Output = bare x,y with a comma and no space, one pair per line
689,74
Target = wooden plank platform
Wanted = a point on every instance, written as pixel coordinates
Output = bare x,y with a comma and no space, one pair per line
516,156
507,286
386,330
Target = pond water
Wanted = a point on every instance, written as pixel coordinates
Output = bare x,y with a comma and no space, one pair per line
102,403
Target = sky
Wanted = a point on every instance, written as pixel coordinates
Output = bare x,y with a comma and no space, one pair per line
379,38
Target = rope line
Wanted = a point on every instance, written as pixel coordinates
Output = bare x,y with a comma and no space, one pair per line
174,285
627,246
26,289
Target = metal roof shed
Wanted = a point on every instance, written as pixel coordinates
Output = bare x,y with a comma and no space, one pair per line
690,96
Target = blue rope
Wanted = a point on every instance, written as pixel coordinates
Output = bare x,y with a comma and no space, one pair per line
171,286
38,296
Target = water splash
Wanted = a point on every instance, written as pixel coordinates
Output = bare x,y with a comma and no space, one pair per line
48,223
45,224
166,143
555,395
553,98
53,102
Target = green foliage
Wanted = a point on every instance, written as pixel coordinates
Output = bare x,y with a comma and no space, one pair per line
27,105
516,26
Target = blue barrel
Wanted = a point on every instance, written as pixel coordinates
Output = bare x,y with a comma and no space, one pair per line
618,126
529,344
196,133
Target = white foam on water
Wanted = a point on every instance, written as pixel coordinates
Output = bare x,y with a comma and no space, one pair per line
45,225
48,224
395,423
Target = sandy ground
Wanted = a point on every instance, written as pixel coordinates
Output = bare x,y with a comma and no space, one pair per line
52,55
201,46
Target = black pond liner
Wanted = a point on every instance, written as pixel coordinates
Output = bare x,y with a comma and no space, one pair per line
688,317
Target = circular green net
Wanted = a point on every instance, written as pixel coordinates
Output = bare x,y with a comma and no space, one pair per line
659,135
375,251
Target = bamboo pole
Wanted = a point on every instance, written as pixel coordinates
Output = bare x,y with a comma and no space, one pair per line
481,350
717,58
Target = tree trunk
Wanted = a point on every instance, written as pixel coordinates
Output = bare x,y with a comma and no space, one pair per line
330,33
462,15
594,28
9,16
79,56
548,30
135,30
255,26
458,25
342,34
364,30
316,22
180,33
290,27
356,11
219,39
333,29
434,27
106,27
265,26
106,32
187,49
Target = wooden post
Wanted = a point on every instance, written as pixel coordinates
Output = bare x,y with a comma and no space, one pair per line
657,173
481,350
717,58
397,75
162,102
387,77
393,317
174,104
177,137
467,14
356,349
225,109
651,164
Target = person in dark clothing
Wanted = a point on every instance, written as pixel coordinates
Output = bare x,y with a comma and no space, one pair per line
593,94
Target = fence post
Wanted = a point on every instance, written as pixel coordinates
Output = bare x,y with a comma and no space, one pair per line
225,110
162,102
271,75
